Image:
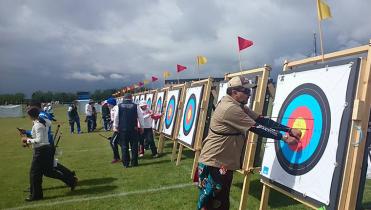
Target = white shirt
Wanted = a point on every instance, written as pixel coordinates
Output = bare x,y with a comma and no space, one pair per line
147,117
50,109
88,110
39,134
116,118
112,112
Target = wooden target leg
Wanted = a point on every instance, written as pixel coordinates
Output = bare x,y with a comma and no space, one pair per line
175,147
160,146
195,163
180,151
245,192
264,197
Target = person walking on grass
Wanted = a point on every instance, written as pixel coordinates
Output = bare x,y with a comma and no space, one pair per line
43,156
106,116
73,117
222,148
114,140
89,115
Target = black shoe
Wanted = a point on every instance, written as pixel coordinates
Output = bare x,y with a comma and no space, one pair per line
74,183
29,199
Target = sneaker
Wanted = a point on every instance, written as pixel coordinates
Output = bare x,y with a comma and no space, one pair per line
141,155
155,156
115,161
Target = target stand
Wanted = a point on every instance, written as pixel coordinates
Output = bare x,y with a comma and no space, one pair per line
171,119
330,102
193,119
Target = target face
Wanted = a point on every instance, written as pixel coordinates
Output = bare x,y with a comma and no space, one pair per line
190,115
149,98
307,109
136,99
142,98
158,109
159,105
319,102
170,111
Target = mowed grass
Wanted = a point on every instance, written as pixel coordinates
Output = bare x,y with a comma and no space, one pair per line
155,184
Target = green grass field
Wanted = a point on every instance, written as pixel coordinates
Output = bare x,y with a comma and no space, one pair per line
155,184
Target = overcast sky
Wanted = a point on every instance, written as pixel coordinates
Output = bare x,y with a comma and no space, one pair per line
83,45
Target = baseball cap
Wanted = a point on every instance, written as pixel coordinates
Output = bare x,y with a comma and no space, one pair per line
239,81
111,101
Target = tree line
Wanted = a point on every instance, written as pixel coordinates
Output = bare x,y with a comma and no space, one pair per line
48,96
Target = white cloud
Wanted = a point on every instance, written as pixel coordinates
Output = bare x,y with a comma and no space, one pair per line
85,76
145,38
116,76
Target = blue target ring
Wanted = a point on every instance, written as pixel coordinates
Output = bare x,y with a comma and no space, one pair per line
149,103
170,112
189,115
309,103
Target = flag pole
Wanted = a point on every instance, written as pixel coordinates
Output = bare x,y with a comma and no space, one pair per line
320,31
239,59
198,68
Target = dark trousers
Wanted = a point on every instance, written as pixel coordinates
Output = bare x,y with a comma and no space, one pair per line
114,141
42,164
215,184
147,139
72,124
90,122
129,138
106,123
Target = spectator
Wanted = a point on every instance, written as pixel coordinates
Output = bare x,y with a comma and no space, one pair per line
73,117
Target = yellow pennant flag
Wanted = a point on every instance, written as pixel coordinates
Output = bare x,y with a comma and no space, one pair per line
145,81
201,59
324,11
166,74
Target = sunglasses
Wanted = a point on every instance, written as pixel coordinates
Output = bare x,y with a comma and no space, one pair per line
244,90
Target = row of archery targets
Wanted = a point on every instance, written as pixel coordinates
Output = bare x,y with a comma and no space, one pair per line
327,97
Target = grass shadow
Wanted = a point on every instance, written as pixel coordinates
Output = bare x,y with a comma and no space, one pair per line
98,181
366,206
84,191
276,199
154,163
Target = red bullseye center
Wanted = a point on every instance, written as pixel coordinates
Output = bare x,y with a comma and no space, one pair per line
170,112
302,119
189,114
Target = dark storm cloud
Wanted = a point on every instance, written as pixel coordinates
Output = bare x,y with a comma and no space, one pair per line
83,45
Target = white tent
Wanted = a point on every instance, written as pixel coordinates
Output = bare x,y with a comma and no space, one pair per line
11,111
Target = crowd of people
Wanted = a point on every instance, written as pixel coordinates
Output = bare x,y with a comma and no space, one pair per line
131,125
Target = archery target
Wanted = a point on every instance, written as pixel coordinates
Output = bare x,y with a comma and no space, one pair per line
188,123
136,99
142,98
314,101
149,98
170,111
158,109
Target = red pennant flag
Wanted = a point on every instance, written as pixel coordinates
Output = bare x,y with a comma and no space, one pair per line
154,79
180,68
244,43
